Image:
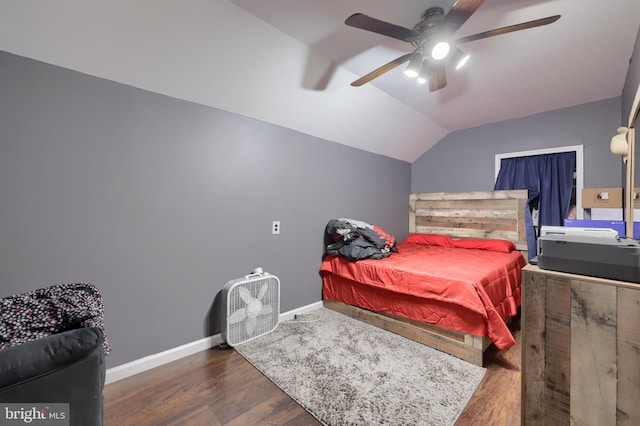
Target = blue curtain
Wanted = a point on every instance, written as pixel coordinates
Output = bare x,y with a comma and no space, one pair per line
549,180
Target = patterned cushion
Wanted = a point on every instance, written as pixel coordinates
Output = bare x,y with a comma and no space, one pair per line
39,313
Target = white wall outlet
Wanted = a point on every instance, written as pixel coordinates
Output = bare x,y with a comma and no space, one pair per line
275,227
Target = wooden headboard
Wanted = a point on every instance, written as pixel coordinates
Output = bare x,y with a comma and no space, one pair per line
479,214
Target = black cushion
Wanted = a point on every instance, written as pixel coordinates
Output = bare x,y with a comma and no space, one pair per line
67,367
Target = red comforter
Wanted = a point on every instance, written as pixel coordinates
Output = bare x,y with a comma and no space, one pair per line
477,282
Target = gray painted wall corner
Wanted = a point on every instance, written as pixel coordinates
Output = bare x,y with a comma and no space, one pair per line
160,202
464,159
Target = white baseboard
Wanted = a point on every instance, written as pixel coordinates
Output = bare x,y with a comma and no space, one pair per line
304,309
148,362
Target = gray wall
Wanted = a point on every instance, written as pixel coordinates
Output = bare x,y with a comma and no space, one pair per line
160,202
631,83
464,160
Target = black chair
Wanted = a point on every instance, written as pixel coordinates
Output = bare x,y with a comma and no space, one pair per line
67,367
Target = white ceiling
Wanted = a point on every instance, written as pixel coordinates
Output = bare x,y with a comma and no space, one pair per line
582,57
302,58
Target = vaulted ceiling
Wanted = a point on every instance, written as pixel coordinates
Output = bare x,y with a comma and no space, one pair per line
290,62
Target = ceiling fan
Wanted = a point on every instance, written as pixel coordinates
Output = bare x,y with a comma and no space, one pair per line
432,39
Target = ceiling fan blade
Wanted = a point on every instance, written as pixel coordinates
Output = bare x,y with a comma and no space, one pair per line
437,77
509,29
383,69
459,13
364,22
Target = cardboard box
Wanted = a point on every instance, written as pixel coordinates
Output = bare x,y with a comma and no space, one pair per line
606,214
620,226
610,198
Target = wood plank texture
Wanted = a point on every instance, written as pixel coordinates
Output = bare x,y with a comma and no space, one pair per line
628,345
533,313
593,353
479,214
465,222
464,346
472,195
467,233
581,349
545,388
557,350
213,387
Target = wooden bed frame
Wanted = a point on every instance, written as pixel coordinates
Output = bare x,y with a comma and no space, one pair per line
480,214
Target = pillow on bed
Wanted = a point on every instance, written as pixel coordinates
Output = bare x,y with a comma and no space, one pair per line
430,240
503,246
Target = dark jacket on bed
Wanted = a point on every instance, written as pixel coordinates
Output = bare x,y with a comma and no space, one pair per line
358,240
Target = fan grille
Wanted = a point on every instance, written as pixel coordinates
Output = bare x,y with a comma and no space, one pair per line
253,309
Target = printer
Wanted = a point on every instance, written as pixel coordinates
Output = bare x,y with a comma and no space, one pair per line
589,251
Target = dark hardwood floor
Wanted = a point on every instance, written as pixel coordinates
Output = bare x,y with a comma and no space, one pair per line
218,387
497,399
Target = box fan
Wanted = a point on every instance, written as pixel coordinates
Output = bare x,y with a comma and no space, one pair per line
252,307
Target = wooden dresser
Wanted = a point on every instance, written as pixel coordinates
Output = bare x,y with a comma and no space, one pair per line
580,350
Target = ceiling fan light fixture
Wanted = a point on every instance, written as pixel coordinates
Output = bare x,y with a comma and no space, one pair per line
413,68
440,50
432,39
459,58
423,72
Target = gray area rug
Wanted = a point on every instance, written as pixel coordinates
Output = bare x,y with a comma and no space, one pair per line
346,372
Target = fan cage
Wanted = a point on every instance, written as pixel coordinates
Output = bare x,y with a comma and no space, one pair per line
236,333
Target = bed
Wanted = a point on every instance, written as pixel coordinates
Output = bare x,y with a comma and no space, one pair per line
454,282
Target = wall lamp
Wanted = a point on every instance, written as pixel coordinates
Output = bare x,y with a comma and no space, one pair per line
619,144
